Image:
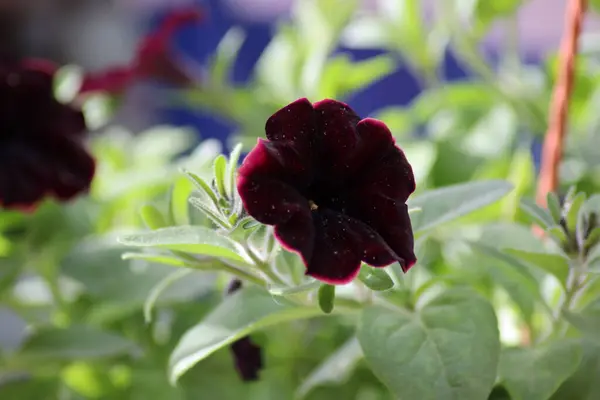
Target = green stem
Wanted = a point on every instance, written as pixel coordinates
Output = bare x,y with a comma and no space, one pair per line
264,267
222,266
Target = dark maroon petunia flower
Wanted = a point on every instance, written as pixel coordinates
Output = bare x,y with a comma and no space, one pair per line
154,59
334,186
41,148
247,355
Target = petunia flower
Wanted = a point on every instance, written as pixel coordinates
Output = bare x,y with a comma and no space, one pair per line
153,60
335,188
247,355
41,148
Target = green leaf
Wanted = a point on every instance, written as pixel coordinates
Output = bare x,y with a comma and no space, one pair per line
587,321
74,343
326,298
554,207
179,205
220,167
447,350
202,186
536,373
449,203
335,369
574,207
209,212
155,258
225,56
159,289
485,12
234,158
584,383
375,278
558,233
554,264
513,275
519,240
240,314
190,239
342,77
152,217
541,216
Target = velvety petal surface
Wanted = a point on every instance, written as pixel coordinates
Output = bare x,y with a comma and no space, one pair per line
341,243
41,149
334,187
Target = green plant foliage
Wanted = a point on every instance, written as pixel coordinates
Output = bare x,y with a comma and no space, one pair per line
129,292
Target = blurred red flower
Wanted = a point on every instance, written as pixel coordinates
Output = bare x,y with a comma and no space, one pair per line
153,60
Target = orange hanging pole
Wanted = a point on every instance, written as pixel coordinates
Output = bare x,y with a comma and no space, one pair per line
559,107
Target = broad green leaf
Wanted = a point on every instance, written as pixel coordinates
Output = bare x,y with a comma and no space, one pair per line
240,314
326,296
519,241
375,278
335,369
190,239
554,264
446,204
540,215
98,265
513,275
584,383
587,321
536,373
74,343
447,350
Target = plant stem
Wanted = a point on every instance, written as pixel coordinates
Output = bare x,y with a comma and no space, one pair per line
223,266
559,107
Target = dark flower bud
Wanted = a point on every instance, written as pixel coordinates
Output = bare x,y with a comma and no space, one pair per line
247,356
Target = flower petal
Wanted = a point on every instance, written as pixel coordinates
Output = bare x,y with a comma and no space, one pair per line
298,234
294,123
336,124
278,161
390,219
391,176
270,202
341,243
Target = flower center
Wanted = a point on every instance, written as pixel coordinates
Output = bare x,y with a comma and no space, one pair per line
312,205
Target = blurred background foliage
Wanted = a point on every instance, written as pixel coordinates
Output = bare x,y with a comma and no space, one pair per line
72,323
